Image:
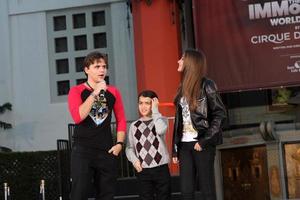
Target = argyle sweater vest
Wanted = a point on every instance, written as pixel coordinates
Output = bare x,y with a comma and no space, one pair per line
150,148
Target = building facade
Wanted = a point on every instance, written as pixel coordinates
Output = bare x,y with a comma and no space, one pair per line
43,45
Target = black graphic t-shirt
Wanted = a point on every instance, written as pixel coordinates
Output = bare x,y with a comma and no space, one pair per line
95,130
99,111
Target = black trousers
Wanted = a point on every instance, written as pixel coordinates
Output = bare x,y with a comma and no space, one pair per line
155,181
196,167
93,166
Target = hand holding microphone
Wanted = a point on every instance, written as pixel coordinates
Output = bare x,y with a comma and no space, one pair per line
100,88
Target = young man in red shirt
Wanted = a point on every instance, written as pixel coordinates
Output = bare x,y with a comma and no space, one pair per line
94,156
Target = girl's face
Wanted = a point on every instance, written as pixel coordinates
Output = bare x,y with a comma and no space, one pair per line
145,105
180,64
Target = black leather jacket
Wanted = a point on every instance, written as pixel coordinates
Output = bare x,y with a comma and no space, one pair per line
207,119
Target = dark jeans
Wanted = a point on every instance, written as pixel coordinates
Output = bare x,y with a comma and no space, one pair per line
90,165
155,181
196,167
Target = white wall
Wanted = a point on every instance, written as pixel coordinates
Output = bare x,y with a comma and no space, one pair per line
37,122
5,66
125,76
5,70
24,72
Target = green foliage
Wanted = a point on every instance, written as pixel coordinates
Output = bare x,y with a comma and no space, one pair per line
282,96
3,108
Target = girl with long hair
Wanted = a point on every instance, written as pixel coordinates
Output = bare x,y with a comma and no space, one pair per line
200,114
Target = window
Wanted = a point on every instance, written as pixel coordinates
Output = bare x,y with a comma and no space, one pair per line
291,159
99,18
79,20
80,42
62,66
59,23
79,64
100,40
72,34
61,45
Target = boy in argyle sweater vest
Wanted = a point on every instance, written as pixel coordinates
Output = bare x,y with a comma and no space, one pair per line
146,149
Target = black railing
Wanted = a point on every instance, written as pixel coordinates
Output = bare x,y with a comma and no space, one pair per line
64,173
23,172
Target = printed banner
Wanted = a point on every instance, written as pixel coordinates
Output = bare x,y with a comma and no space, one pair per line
249,44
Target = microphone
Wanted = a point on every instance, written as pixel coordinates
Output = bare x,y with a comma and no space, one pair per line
102,93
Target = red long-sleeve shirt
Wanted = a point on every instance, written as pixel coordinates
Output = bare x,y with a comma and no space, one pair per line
87,132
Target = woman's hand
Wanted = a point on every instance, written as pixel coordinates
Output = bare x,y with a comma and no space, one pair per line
175,160
197,147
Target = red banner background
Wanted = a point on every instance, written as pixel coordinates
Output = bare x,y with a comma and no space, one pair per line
236,58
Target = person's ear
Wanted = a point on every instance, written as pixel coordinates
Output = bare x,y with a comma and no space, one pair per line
85,69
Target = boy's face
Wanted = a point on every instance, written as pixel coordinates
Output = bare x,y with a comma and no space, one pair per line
145,104
97,71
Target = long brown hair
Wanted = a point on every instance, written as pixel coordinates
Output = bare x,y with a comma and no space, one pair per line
194,69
